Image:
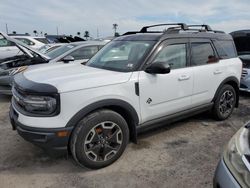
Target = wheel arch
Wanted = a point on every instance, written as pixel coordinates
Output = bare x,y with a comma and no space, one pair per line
123,108
233,81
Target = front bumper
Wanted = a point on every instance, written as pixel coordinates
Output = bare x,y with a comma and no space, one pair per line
48,139
223,177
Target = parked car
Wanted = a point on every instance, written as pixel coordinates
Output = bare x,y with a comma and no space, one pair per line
49,47
78,52
242,43
34,42
9,49
75,51
132,84
233,170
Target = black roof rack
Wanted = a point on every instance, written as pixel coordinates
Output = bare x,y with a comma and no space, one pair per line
176,29
206,27
182,26
145,29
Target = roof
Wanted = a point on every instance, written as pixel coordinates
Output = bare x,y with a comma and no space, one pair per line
177,30
164,36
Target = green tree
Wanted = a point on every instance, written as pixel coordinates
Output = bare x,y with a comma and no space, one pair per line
14,32
79,34
86,34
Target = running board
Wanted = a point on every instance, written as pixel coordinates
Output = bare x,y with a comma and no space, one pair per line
173,117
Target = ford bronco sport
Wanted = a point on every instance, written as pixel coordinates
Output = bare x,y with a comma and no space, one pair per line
133,83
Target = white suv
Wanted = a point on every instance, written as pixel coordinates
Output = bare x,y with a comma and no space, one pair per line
131,84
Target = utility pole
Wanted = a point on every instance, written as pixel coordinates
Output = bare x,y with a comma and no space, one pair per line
6,26
97,33
57,30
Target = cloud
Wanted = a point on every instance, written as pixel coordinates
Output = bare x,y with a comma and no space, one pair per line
73,16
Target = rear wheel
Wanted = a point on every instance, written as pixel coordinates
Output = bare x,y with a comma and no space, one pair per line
224,103
99,139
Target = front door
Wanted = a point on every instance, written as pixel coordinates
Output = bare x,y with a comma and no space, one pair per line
165,94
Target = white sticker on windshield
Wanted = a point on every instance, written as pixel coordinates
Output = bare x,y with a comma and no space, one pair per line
130,65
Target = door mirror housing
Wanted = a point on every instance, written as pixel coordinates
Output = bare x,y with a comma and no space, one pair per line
68,58
158,68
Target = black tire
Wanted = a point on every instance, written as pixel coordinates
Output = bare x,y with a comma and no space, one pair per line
221,106
87,139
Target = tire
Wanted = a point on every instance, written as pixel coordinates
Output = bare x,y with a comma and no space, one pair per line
99,139
224,103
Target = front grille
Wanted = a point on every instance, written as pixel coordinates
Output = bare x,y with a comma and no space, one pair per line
244,74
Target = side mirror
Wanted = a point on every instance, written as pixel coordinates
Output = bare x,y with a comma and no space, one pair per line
158,68
68,58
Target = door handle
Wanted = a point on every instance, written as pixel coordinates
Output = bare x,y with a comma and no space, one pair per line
184,77
217,72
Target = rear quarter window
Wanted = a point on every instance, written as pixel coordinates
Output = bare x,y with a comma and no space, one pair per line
225,49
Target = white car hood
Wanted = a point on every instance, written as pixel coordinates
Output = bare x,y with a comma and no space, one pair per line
71,77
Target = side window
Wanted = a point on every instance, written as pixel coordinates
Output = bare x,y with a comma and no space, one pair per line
84,52
202,53
5,43
175,55
26,41
225,49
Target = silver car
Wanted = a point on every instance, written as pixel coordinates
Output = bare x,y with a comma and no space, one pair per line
233,170
78,52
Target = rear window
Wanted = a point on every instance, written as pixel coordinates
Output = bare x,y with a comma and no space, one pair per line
202,53
225,49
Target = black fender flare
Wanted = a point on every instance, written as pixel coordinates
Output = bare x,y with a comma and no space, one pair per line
231,79
112,104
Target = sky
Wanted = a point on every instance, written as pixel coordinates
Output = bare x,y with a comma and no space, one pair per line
98,16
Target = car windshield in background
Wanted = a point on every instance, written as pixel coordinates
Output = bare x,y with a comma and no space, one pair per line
123,56
59,51
43,40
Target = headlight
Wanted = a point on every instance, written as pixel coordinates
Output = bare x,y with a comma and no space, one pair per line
233,156
35,104
40,104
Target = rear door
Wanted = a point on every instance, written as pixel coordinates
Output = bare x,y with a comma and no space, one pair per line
165,94
208,72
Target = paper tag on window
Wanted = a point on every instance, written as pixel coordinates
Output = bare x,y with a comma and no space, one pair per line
130,65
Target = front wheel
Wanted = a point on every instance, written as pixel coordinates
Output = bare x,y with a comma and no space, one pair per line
99,139
224,103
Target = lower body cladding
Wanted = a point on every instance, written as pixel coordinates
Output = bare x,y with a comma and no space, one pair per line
54,141
223,177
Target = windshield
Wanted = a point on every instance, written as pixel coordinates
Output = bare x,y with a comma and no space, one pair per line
59,51
123,56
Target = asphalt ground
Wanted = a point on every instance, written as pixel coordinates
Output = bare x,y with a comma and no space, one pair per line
182,154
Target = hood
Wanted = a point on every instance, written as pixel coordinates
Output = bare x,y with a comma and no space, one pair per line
71,77
24,48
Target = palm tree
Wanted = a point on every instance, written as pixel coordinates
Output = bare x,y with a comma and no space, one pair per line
86,34
79,34
35,32
115,28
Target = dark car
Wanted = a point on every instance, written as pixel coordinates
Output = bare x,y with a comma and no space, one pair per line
242,43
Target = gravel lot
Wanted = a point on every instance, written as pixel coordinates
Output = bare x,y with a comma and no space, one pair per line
183,154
